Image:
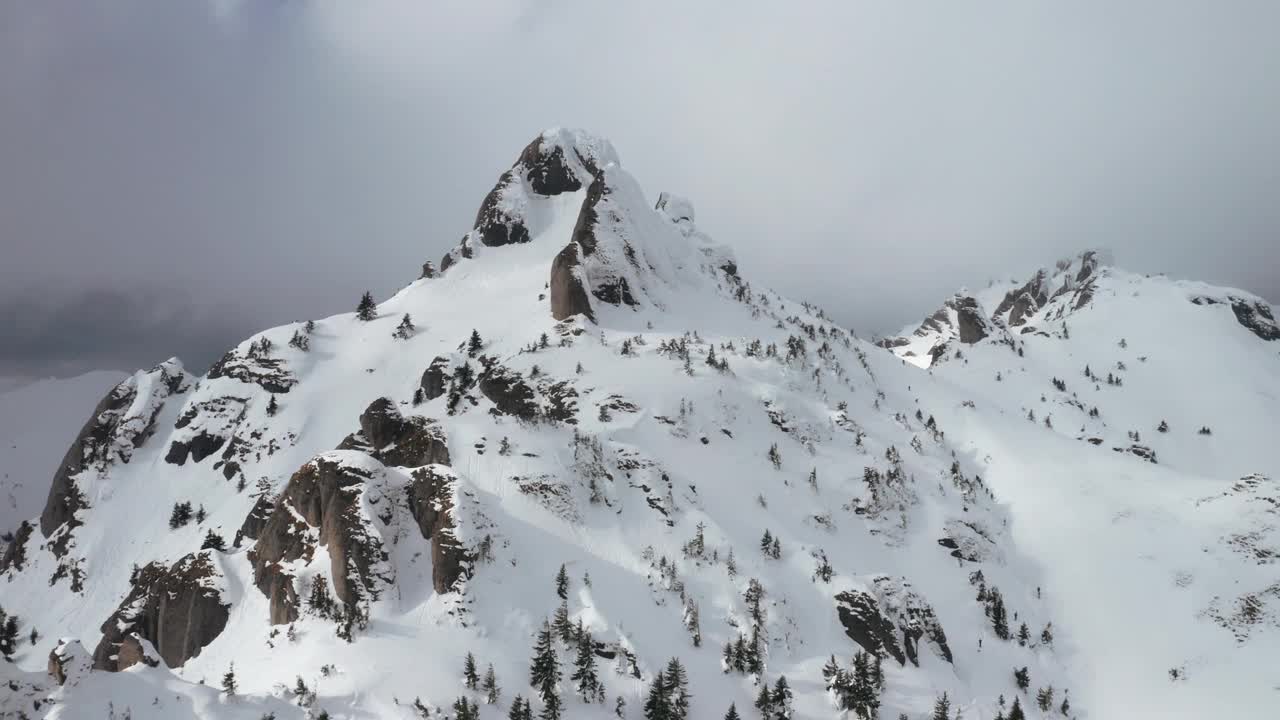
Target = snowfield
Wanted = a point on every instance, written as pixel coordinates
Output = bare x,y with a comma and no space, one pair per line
621,449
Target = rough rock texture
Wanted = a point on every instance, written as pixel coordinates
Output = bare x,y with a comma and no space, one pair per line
510,394
178,610
1026,300
430,499
434,378
269,373
320,505
121,423
1088,265
568,285
69,661
204,427
891,620
973,326
606,284
15,554
428,271
396,440
256,520
556,162
1256,317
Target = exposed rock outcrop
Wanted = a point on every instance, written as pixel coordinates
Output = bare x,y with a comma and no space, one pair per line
434,378
892,620
320,506
255,368
430,499
1023,302
1256,317
510,394
204,427
568,286
121,423
971,323
396,440
176,610
69,661
556,162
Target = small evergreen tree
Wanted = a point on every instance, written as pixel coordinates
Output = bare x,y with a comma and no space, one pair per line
1024,635
620,707
201,514
520,710
1022,677
367,309
561,623
657,705
180,516
229,681
764,702
1015,710
213,541
490,686
544,672
562,583
470,675
1044,698
587,681
405,329
464,709
942,708
474,344
733,713
781,699
300,341
678,689
419,396
273,407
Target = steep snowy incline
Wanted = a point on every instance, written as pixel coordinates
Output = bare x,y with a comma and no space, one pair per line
37,422
1132,437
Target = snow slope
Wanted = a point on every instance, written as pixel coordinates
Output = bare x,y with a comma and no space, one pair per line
38,421
609,446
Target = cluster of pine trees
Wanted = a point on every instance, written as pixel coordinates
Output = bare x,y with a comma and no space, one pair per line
857,690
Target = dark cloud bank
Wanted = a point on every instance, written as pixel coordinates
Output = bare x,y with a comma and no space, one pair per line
176,175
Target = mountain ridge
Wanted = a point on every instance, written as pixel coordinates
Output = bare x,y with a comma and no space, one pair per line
587,383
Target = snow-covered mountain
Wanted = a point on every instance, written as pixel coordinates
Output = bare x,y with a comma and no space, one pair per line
587,417
38,420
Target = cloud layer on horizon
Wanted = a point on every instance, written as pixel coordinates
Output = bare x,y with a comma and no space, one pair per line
273,160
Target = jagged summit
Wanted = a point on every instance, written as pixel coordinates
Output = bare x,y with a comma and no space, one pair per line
619,251
1046,303
588,418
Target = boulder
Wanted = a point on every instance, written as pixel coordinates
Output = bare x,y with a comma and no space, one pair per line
269,373
177,610
1256,317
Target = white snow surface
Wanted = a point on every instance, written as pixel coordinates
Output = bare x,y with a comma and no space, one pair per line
1141,568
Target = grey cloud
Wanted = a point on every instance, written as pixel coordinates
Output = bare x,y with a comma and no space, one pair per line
276,159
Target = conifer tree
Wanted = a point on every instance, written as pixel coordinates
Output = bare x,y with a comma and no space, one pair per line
562,583
213,541
587,681
678,689
1015,711
620,707
1044,698
733,713
942,708
781,699
229,681
764,701
657,705
544,672
300,341
464,709
474,344
1022,678
405,329
367,309
520,709
1024,635
470,675
561,623
273,407
490,686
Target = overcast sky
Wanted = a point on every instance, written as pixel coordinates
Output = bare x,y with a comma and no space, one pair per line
176,174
